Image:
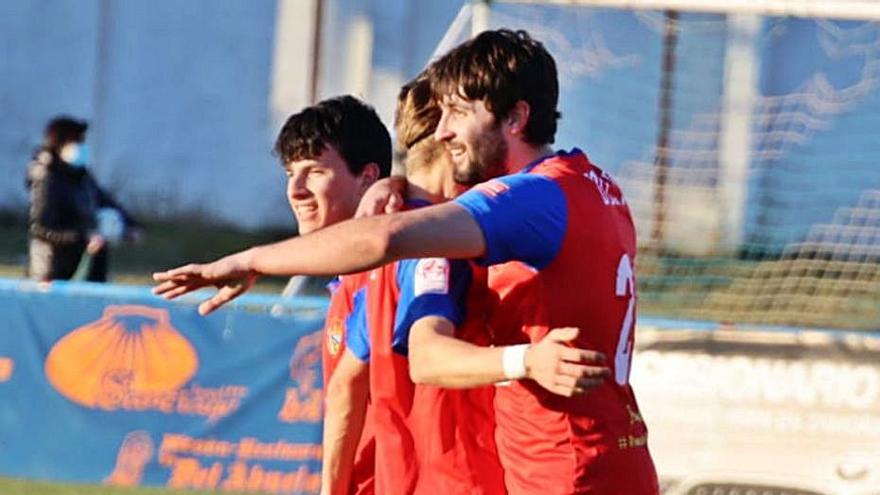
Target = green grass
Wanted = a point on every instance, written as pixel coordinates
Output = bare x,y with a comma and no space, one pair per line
23,487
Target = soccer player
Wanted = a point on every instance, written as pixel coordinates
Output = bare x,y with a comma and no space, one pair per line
332,152
430,440
559,239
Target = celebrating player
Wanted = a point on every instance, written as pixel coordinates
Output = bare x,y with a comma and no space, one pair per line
425,319
332,152
429,440
560,242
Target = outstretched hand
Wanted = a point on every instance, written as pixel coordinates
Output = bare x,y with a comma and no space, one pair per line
230,275
563,369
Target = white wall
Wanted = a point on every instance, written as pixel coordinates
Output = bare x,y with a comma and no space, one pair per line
402,35
185,98
46,67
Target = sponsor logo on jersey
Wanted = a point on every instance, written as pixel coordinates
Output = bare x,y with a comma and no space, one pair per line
432,276
492,188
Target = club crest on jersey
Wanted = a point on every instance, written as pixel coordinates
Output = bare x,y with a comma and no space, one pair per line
432,276
334,337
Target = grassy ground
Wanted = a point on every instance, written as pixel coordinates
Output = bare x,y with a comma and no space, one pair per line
22,487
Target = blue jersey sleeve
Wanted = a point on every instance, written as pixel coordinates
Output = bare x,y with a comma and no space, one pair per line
357,333
429,287
523,217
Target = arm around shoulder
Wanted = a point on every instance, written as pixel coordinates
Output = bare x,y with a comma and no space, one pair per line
437,357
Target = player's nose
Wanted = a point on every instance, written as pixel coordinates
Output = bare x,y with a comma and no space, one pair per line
443,132
296,185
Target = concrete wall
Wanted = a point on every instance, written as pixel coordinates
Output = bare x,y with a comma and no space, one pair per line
185,98
46,67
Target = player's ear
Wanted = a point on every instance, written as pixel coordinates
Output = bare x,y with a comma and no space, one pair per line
369,175
518,118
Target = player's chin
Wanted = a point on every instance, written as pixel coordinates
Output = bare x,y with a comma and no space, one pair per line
468,176
307,226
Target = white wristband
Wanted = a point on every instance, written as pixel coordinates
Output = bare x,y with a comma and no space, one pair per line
513,361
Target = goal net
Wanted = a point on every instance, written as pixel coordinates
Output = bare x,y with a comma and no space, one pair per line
745,140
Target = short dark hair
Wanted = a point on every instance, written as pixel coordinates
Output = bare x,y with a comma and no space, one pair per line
349,125
503,67
63,129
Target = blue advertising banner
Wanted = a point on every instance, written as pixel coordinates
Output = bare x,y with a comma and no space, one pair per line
102,384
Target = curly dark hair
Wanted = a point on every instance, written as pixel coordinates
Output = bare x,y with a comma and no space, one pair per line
347,124
502,67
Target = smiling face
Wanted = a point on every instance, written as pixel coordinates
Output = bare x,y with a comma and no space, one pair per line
474,139
323,191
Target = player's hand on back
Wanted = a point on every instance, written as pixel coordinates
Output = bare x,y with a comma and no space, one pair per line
562,369
384,196
230,275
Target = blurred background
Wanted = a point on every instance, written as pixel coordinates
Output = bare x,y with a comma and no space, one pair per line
184,102
744,135
745,142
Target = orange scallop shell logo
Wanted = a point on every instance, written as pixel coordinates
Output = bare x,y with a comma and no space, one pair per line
136,342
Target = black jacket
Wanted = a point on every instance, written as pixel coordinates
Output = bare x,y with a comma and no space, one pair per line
65,201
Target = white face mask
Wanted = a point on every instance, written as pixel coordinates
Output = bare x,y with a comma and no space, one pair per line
75,154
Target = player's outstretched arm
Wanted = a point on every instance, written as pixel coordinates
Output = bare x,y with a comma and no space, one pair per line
445,230
345,407
436,357
230,275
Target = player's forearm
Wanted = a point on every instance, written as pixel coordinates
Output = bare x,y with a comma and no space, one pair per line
448,362
345,411
343,424
346,247
364,243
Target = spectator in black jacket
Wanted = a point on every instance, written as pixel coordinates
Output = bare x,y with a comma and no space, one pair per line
63,223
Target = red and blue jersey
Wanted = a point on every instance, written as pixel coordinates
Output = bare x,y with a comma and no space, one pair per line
342,304
342,315
561,246
429,440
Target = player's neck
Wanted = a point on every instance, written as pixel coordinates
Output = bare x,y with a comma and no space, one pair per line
521,154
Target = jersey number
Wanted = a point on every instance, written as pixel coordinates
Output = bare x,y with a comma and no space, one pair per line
625,288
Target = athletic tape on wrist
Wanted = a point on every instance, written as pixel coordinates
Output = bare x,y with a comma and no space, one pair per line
513,361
